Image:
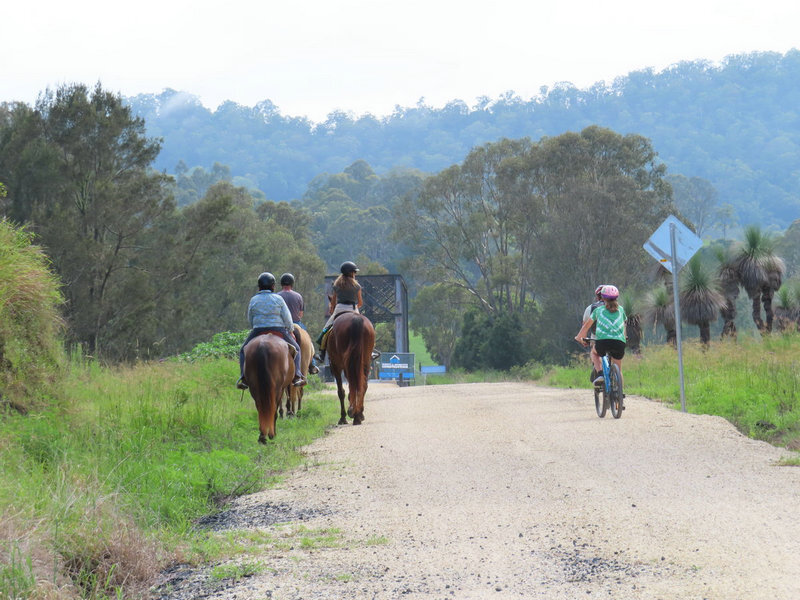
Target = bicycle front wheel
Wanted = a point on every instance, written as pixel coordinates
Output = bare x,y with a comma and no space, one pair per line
615,395
600,403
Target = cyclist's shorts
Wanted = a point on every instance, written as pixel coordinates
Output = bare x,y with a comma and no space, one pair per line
615,348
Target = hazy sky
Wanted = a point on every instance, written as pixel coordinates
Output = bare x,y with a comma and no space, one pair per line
311,57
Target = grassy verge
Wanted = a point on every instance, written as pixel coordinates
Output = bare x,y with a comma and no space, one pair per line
101,489
754,383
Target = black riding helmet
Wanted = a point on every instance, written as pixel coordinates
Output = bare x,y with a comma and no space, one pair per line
287,279
348,267
266,281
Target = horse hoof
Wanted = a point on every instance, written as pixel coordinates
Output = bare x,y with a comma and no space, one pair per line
262,439
342,421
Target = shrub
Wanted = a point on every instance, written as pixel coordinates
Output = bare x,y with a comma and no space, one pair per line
31,351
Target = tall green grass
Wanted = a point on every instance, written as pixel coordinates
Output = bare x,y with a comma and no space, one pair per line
101,489
31,354
754,383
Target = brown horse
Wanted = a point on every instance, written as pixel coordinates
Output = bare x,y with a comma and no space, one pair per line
294,394
350,343
268,369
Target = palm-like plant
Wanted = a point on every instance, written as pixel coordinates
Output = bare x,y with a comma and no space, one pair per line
661,311
795,314
760,272
775,268
729,287
700,299
633,323
786,309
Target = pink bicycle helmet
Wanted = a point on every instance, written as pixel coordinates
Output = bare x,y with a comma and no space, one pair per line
609,292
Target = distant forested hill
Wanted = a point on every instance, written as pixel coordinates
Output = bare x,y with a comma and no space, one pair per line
735,124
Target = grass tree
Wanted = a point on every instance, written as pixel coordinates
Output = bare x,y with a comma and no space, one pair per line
775,269
786,308
700,299
633,322
795,291
660,310
760,272
729,287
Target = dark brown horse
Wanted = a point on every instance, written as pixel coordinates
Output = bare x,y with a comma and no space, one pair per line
350,343
268,370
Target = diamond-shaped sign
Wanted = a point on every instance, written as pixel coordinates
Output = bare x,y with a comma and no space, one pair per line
660,248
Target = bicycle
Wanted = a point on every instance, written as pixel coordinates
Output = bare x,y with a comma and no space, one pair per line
611,390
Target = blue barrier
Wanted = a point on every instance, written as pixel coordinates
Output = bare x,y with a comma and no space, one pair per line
433,369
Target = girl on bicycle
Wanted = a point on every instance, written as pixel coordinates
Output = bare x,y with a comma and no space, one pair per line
610,332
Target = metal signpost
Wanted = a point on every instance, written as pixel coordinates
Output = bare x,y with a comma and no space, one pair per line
673,245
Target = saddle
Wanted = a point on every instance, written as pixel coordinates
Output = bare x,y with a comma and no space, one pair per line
346,312
292,349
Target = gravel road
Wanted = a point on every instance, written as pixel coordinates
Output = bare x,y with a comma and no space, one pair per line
513,490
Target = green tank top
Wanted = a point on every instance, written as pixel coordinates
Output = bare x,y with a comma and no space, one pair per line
610,325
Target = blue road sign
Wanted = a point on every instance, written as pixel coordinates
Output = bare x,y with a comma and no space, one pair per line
399,363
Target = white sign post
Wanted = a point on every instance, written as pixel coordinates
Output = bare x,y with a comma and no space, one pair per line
673,245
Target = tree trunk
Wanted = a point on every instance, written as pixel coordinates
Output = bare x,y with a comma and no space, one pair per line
672,336
728,312
757,312
766,299
705,333
633,329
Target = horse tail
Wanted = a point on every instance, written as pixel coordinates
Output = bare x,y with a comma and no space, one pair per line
354,360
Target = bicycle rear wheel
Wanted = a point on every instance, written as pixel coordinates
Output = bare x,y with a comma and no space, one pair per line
600,403
615,395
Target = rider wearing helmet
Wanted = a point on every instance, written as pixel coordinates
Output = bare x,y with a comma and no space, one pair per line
598,301
267,311
345,297
610,333
296,306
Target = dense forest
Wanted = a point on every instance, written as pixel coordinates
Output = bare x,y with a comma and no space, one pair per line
735,125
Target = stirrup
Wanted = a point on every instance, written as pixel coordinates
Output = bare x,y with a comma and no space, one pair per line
241,384
299,381
313,369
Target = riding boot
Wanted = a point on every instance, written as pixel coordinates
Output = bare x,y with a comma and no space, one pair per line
241,384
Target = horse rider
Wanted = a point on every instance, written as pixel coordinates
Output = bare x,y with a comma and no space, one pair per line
598,301
345,297
294,300
267,311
